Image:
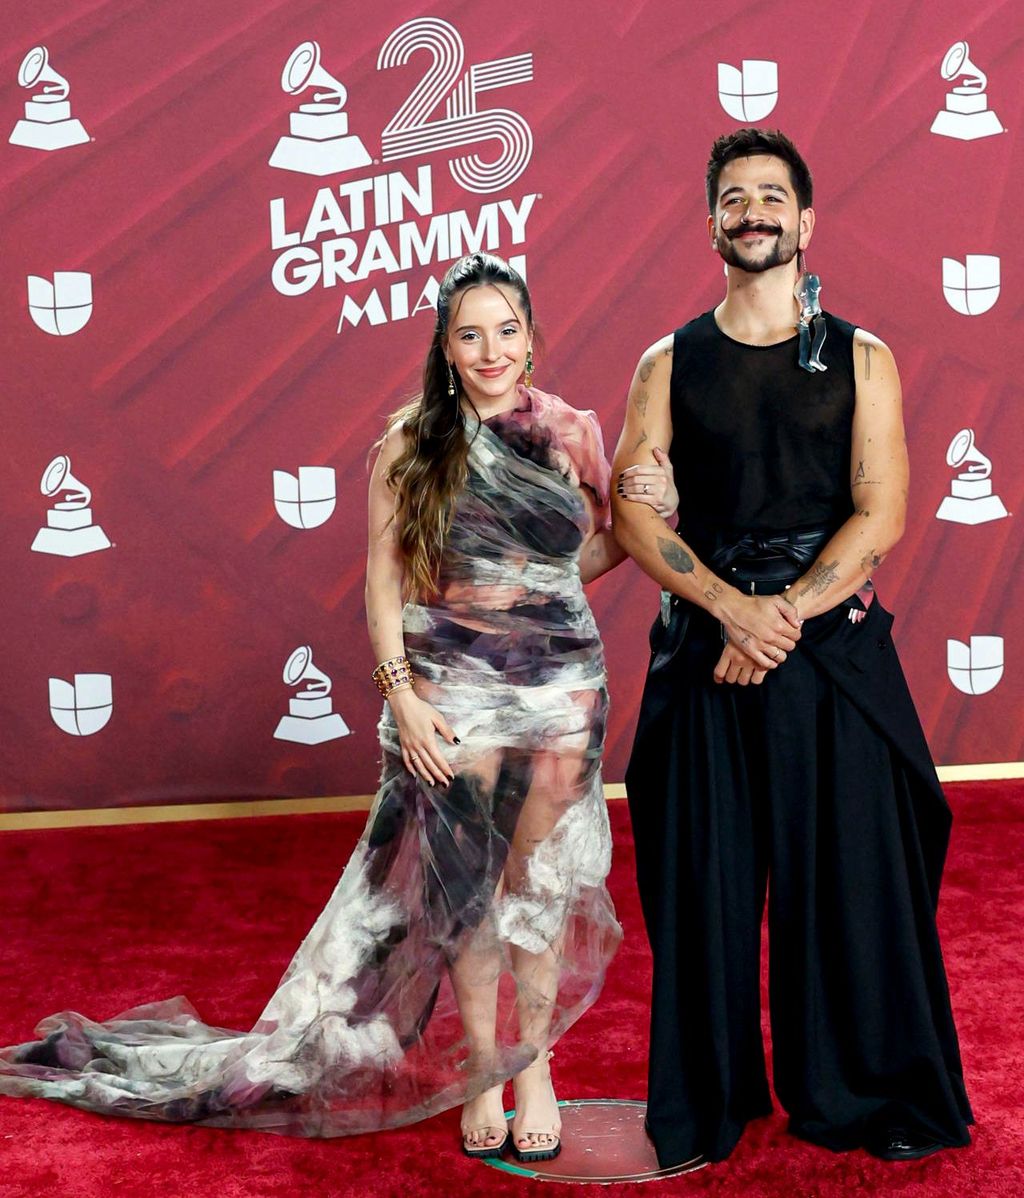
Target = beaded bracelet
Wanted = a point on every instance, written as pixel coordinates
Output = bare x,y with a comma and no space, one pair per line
391,674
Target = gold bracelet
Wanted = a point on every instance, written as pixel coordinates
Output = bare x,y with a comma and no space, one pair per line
392,673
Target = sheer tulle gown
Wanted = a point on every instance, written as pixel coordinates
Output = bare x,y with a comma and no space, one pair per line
508,864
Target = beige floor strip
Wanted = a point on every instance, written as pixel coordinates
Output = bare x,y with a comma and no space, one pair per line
19,821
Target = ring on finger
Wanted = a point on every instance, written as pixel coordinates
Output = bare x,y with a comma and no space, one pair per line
647,489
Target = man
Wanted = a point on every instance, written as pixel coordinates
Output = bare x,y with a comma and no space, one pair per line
777,747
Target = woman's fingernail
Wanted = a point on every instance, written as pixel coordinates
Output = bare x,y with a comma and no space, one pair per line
456,740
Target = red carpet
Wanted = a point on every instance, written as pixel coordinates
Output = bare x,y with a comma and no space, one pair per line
100,919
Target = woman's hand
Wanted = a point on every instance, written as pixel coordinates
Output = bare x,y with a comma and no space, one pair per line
735,666
419,725
653,485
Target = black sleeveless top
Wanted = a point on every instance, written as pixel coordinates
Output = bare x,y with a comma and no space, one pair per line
759,445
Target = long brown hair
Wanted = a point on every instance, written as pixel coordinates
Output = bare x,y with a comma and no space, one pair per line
429,473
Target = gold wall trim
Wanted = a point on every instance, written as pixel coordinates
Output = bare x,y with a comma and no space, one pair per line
177,812
98,817
985,771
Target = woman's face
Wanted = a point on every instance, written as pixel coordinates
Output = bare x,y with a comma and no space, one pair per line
487,343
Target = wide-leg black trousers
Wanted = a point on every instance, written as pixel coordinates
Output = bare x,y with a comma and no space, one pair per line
817,790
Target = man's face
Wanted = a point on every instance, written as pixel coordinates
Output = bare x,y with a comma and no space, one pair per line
757,224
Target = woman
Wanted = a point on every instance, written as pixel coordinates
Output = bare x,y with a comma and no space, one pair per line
471,925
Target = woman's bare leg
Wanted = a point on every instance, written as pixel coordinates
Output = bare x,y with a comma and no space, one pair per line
556,785
475,975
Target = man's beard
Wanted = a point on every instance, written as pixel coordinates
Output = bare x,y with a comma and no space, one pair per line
782,252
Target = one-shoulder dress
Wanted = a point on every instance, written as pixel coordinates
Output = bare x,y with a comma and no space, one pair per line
363,1031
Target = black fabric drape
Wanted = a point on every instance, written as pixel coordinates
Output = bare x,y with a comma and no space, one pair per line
818,790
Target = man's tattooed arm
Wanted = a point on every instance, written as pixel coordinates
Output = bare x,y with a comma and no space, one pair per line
675,556
878,474
820,577
870,562
860,478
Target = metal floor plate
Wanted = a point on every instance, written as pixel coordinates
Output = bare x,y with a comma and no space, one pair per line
603,1142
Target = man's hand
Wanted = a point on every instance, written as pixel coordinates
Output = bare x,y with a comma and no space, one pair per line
735,666
763,627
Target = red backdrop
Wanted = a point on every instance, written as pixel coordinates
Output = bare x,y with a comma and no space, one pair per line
195,377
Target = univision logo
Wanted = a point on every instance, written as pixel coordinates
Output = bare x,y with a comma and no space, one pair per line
82,707
971,287
749,92
61,306
305,500
977,668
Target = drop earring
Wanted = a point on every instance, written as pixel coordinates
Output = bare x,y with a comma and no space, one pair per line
529,367
451,379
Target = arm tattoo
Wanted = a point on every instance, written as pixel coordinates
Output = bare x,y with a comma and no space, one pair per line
713,591
867,361
640,441
675,556
821,577
871,561
647,368
641,401
860,481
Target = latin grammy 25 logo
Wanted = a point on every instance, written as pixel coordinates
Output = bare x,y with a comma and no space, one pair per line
319,141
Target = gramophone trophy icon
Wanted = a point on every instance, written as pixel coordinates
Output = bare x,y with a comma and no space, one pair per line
69,530
48,123
319,143
971,500
310,719
967,115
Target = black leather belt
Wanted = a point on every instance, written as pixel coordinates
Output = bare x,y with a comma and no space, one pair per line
757,563
765,565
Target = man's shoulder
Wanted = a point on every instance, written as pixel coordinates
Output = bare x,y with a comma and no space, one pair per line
698,326
845,327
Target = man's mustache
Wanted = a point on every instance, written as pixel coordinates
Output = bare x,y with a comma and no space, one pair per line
740,229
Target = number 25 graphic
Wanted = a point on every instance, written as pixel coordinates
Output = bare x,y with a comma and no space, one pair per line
411,132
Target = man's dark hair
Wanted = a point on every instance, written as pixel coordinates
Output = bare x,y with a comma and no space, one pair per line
745,142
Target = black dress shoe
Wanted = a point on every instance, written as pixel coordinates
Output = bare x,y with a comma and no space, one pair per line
902,1144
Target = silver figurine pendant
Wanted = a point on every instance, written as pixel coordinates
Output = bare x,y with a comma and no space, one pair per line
812,322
